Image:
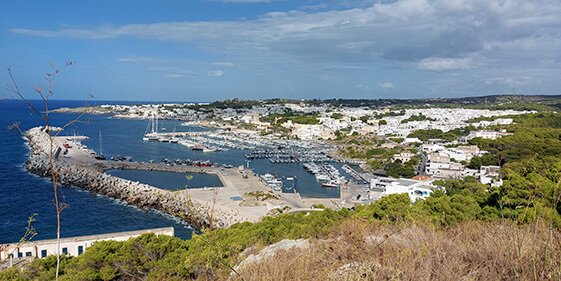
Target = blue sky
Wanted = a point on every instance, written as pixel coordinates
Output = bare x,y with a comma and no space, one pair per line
206,50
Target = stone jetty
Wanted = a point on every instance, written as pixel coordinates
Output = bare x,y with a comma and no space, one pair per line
196,207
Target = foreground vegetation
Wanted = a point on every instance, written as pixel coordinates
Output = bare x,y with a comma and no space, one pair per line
351,249
471,231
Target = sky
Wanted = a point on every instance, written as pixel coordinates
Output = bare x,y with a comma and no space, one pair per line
207,50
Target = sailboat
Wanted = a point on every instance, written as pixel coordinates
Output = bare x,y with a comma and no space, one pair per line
152,126
174,138
100,156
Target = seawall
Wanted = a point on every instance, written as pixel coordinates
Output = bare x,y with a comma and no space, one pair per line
88,174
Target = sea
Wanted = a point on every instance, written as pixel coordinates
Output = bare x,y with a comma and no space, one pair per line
24,195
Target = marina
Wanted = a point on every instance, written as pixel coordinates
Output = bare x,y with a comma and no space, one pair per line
123,142
236,199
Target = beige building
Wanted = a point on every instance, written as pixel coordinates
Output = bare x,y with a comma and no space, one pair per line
437,158
469,150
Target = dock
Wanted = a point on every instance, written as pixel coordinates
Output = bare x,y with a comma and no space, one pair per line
178,134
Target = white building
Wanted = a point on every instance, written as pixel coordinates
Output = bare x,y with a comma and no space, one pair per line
411,140
456,154
486,134
73,246
416,189
308,132
404,156
430,148
490,175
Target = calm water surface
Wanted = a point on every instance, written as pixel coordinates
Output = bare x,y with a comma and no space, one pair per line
23,194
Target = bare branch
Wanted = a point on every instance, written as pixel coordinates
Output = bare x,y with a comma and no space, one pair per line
55,171
14,88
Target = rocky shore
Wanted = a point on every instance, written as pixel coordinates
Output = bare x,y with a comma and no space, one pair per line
93,179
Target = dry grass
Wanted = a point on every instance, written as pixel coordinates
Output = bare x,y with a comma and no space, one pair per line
470,251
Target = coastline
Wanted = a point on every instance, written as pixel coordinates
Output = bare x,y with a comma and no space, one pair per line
194,206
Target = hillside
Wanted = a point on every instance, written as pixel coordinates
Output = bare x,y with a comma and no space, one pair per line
471,232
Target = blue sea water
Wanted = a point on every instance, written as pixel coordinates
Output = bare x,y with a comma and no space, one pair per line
23,194
169,180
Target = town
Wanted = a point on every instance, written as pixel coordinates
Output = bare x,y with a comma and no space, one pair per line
403,150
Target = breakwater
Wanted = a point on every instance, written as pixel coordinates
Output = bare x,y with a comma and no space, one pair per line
82,170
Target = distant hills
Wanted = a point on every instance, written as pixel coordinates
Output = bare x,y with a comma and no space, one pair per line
498,102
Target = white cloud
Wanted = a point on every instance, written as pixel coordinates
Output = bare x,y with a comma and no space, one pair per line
386,85
144,60
444,64
175,75
511,82
403,9
225,64
363,87
440,35
173,72
215,73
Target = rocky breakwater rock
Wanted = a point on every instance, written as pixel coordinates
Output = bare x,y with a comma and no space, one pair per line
141,195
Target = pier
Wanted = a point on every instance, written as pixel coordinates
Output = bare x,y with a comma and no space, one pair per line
178,134
355,174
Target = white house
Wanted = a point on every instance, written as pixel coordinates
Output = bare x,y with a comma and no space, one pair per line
456,154
430,148
416,189
486,134
404,156
411,140
490,175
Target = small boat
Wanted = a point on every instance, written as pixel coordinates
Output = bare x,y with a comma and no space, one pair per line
209,149
99,157
322,177
328,184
